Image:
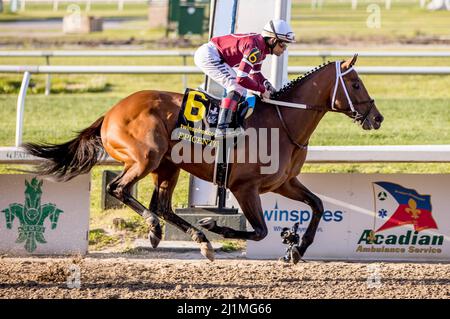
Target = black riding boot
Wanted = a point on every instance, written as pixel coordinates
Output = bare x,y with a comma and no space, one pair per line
223,125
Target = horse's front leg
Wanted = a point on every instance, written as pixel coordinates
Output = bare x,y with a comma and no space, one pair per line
295,190
250,204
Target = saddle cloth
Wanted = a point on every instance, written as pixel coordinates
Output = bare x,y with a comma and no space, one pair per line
199,114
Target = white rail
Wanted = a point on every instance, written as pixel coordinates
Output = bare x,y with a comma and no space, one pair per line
106,69
379,153
190,53
316,154
171,69
98,53
185,54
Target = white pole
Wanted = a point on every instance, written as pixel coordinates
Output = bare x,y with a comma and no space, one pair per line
279,66
22,5
55,5
13,5
88,5
422,3
120,5
388,4
354,4
48,82
21,107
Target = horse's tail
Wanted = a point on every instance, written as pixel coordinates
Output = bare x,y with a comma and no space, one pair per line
68,160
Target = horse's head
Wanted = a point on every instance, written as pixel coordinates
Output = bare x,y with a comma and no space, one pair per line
350,96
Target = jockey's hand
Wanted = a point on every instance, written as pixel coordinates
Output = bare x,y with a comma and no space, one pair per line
266,95
269,87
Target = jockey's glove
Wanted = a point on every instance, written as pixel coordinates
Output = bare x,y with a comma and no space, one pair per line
266,94
269,87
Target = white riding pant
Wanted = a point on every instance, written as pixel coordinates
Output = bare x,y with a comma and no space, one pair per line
208,59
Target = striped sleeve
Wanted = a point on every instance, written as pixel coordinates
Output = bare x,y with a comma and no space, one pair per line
250,63
256,73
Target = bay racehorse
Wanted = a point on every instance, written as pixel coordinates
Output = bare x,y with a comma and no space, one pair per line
137,132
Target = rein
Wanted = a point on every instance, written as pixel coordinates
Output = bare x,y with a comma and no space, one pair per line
352,112
283,123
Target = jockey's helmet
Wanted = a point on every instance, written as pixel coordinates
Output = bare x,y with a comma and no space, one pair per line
278,29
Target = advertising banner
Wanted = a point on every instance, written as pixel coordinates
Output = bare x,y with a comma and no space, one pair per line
401,217
38,216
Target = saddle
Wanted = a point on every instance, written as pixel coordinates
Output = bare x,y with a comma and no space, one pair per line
197,123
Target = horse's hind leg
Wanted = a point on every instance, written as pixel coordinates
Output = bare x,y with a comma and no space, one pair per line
135,169
165,179
141,153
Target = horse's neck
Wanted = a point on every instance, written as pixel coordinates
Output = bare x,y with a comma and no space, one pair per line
315,92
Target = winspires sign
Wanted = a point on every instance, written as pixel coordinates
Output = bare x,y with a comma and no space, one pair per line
403,217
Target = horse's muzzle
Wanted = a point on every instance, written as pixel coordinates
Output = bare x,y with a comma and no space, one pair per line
377,120
373,121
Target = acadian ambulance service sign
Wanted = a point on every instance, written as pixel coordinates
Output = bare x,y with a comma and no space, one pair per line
367,217
38,216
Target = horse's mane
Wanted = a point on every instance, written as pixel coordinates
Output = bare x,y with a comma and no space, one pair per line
286,88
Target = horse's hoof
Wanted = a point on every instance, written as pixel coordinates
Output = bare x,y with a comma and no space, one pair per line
207,250
207,223
155,235
295,255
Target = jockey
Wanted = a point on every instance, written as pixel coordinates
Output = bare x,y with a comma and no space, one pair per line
218,57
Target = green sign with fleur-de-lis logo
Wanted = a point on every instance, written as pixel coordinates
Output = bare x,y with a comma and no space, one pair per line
31,216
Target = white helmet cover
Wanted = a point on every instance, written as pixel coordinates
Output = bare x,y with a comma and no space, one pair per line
280,30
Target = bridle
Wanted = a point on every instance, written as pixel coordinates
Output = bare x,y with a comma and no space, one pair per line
352,112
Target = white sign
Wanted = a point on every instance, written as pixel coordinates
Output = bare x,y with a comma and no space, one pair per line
367,217
38,216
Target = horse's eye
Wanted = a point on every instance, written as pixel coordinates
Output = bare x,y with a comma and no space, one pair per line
356,86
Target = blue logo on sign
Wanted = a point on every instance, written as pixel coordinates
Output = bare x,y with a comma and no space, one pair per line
301,216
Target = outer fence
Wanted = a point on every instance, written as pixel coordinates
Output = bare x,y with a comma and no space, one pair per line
324,54
120,3
169,53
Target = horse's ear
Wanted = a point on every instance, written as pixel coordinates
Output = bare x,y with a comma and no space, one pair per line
349,62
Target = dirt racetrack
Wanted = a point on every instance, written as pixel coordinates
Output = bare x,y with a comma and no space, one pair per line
188,275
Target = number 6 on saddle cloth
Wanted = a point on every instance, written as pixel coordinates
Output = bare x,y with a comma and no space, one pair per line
197,123
200,111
